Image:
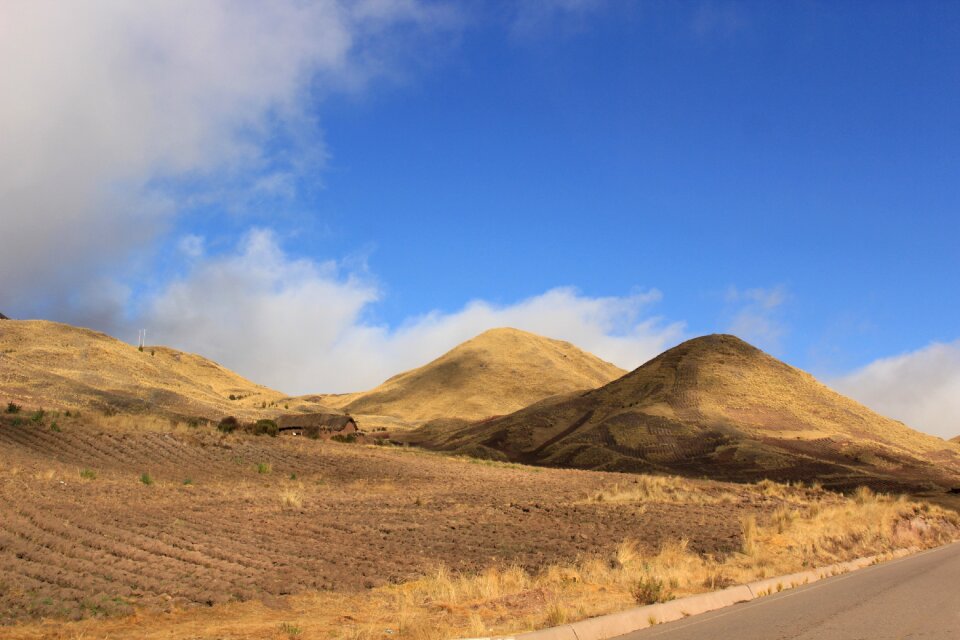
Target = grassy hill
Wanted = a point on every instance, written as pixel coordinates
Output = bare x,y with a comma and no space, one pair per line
495,373
713,406
59,366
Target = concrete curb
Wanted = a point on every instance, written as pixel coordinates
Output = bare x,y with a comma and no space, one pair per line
616,624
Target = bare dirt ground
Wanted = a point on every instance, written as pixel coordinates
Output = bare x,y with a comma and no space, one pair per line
264,517
120,527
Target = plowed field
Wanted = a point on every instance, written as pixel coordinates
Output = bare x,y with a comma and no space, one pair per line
97,522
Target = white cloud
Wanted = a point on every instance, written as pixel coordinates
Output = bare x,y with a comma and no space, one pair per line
754,315
299,326
107,103
191,245
117,117
920,388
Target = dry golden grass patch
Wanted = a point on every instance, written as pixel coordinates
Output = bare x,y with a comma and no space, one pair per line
495,373
46,474
127,423
292,497
671,489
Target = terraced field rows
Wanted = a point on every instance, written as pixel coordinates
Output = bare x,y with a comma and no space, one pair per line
352,517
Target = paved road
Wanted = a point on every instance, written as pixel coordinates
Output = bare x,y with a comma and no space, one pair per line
914,597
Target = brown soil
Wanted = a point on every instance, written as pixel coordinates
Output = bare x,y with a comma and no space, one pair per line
355,517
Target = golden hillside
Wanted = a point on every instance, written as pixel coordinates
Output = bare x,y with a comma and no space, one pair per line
58,366
497,372
712,406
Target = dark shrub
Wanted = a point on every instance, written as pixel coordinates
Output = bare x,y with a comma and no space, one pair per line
348,438
482,452
12,407
228,424
265,427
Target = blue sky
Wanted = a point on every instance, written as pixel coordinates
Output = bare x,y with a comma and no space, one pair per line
381,180
812,148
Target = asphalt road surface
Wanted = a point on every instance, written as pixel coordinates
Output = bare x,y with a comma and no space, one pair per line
913,597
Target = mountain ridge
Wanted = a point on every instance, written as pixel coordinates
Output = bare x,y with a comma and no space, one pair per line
716,406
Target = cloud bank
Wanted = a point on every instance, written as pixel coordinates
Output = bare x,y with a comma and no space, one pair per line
921,388
120,119
298,325
114,113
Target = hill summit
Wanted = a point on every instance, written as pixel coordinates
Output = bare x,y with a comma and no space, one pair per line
495,373
714,406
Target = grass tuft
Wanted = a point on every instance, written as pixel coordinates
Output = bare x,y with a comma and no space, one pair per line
749,534
292,498
650,590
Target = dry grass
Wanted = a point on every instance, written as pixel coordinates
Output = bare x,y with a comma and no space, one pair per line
126,423
495,373
748,535
292,497
671,489
776,417
58,366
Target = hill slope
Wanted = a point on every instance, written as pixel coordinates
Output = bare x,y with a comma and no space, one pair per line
712,406
56,365
497,372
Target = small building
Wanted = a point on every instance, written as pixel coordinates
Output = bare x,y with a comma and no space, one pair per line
317,425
